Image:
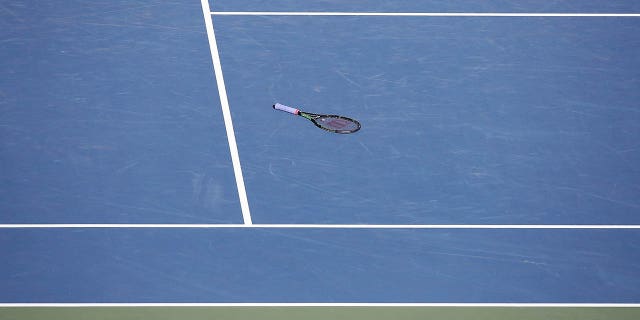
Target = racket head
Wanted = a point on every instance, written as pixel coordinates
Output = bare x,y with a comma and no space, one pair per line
333,123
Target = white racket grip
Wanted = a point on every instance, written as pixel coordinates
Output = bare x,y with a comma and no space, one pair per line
284,108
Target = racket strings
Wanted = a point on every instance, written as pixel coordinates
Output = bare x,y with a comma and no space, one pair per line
338,124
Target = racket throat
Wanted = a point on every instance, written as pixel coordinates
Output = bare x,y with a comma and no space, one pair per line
305,115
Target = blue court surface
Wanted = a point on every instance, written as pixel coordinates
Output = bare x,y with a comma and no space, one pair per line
498,160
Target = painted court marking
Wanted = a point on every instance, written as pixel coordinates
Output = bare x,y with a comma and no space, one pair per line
422,14
226,113
316,226
514,305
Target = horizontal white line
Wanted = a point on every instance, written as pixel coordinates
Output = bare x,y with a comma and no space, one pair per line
321,226
422,14
508,305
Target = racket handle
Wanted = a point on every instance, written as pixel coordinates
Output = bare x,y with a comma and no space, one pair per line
284,108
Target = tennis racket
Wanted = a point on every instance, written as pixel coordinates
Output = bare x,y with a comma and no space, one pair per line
329,122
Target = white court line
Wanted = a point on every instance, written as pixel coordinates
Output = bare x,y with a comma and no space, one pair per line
318,304
233,147
421,14
317,226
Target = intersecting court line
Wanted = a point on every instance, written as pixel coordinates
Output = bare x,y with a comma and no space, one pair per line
317,226
421,14
226,113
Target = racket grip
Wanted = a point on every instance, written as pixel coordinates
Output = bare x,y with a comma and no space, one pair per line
284,108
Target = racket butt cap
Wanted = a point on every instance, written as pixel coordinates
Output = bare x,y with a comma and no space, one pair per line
284,108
